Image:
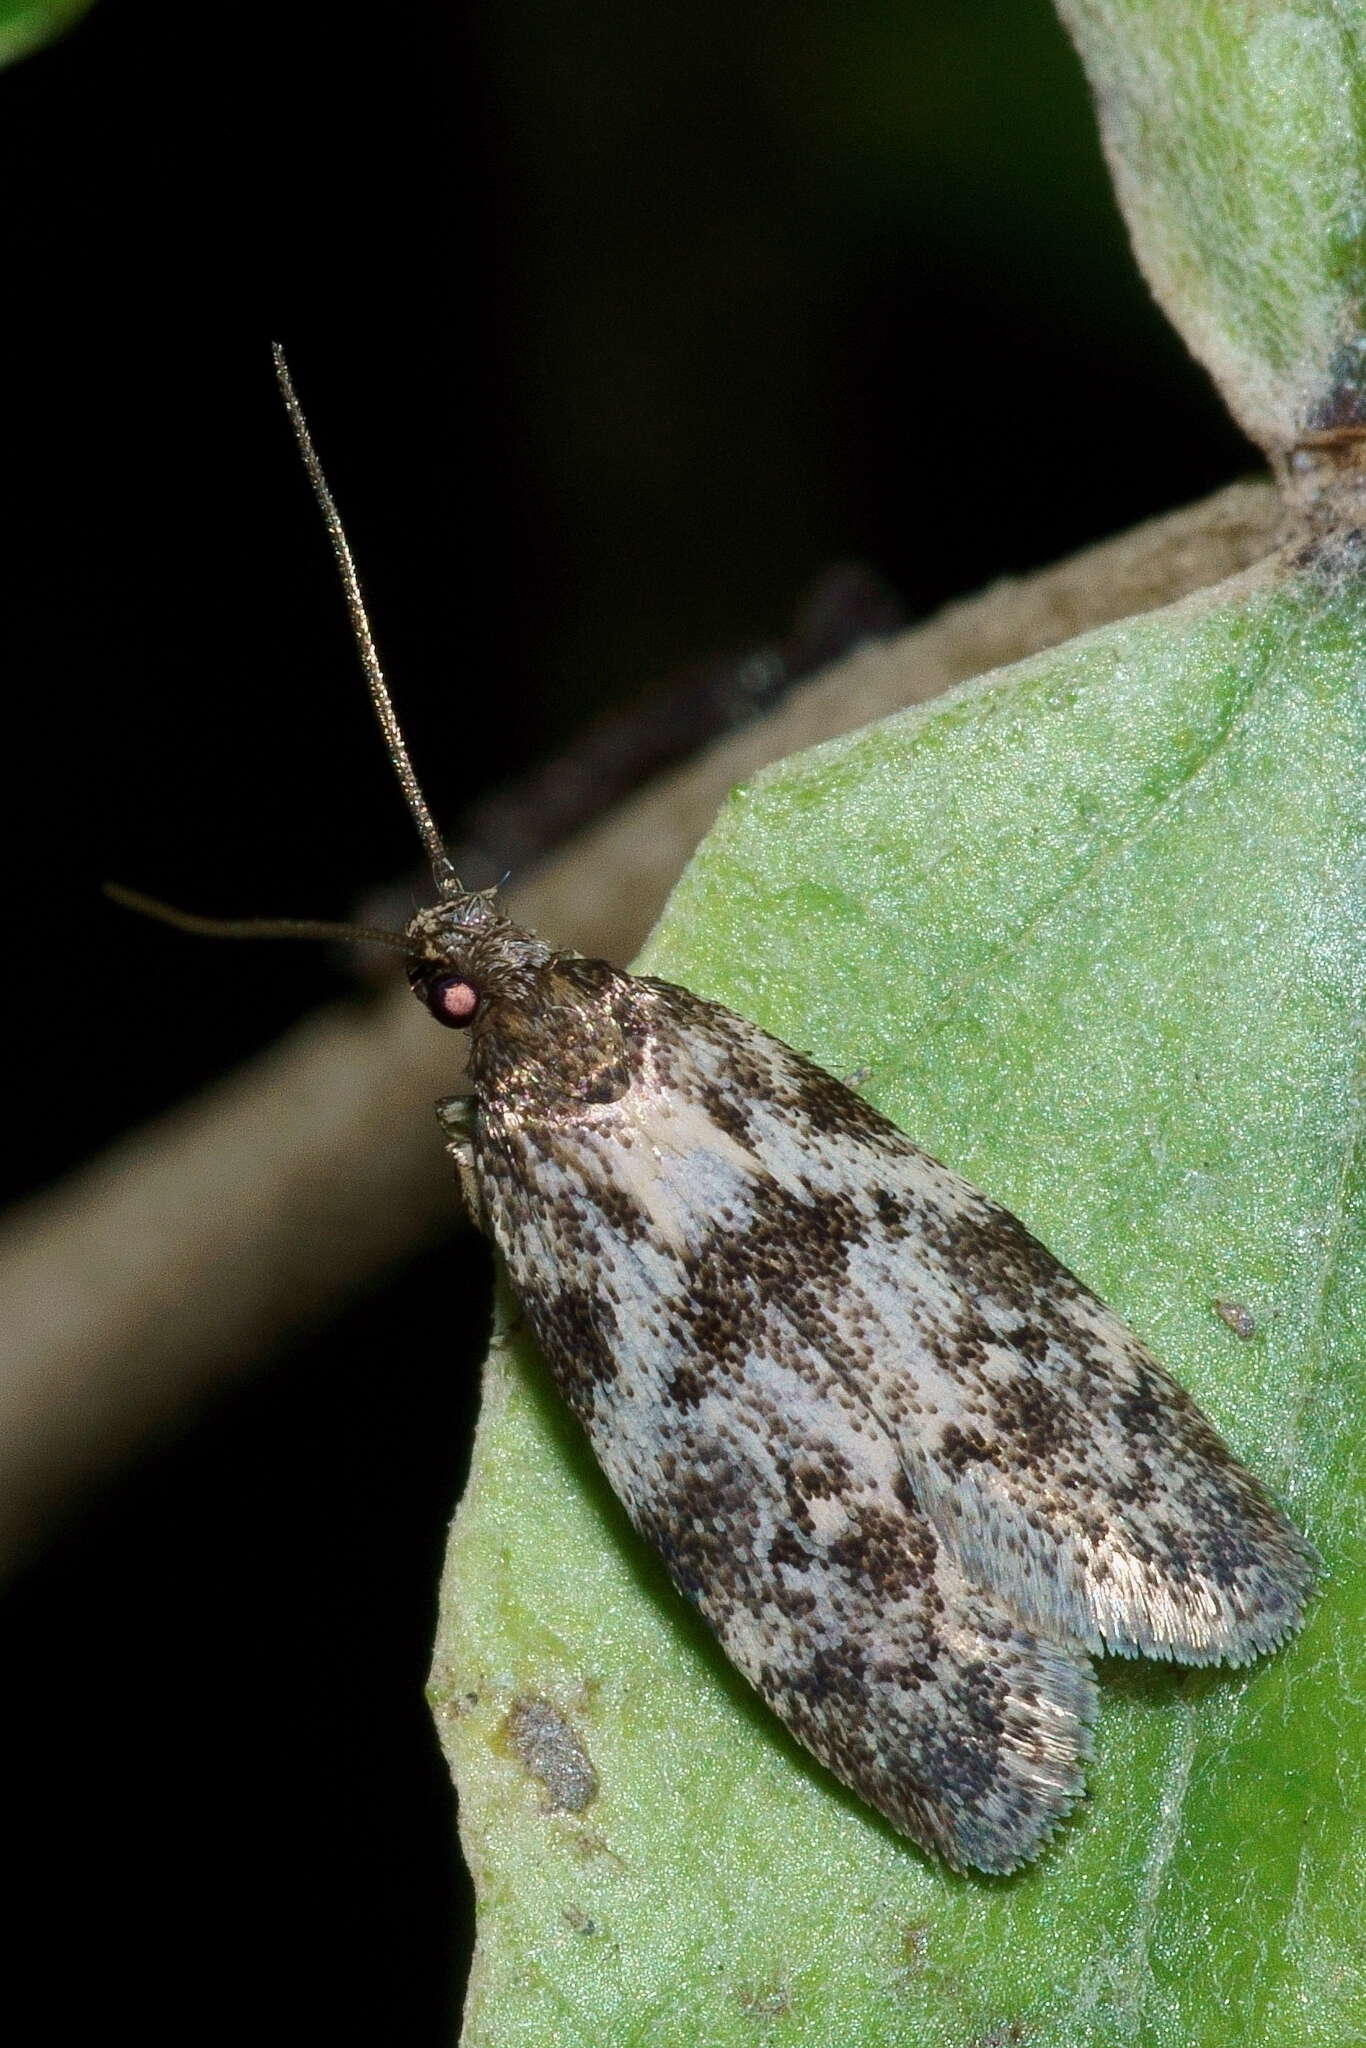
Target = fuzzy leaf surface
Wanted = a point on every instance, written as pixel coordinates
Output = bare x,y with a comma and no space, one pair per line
26,25
1236,137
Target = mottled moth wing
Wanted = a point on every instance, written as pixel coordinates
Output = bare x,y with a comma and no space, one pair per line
1061,1463
907,1466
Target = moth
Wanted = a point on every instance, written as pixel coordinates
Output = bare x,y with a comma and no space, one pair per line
911,1470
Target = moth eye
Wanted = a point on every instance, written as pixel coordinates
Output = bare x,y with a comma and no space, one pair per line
450,998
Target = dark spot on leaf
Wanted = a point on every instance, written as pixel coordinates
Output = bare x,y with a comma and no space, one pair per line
552,1751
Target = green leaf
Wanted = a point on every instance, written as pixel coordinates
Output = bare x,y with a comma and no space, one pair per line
1236,136
25,25
1091,928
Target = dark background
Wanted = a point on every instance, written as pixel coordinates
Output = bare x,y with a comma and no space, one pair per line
615,325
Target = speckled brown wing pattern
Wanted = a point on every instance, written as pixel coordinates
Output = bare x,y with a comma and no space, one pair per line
909,1468
1061,1463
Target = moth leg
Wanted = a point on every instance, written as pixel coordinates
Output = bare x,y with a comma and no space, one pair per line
456,1117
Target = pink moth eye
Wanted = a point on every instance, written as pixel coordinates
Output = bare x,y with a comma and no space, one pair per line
452,1000
450,997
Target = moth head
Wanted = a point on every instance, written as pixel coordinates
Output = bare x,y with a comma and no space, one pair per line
463,952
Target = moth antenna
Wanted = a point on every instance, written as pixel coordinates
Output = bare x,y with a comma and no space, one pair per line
256,927
443,874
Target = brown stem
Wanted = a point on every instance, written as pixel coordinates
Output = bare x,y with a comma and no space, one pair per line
178,1260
